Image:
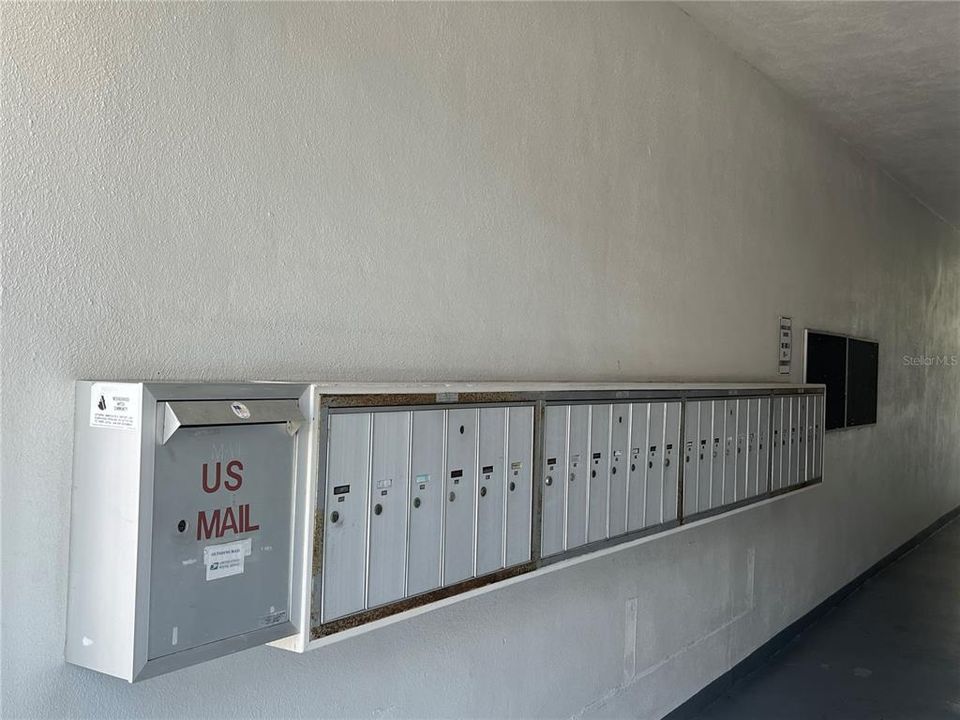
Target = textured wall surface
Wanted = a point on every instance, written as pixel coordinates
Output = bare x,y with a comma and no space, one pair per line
885,75
396,192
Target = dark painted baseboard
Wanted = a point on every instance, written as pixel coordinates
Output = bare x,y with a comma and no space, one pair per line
696,704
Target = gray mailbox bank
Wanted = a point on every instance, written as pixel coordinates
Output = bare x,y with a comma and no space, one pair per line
182,522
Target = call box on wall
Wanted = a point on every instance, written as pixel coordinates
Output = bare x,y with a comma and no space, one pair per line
182,522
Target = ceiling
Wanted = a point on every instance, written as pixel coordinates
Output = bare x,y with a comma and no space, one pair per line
884,75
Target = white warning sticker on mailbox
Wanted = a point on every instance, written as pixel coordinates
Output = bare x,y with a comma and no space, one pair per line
115,406
224,560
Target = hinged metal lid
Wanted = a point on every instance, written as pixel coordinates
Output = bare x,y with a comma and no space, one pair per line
194,413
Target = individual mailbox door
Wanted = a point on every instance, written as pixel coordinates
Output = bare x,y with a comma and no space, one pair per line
345,514
794,441
619,468
691,464
801,438
598,489
461,487
553,484
519,488
578,470
717,457
222,494
704,454
809,442
740,441
753,418
729,452
491,498
777,444
426,501
671,461
653,511
388,508
763,447
637,482
818,436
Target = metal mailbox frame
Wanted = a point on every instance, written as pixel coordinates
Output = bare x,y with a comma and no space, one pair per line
341,397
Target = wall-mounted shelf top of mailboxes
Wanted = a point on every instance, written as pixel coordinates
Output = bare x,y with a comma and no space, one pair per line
209,518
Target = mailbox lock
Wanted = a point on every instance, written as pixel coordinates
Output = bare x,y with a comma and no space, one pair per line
666,462
548,480
633,467
483,491
513,486
573,477
416,502
181,526
613,470
593,473
453,496
334,517
461,429
377,509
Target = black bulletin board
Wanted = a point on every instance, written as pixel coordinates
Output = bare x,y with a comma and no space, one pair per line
849,368
827,364
862,366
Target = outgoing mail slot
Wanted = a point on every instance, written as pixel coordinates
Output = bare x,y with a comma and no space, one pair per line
232,484
181,523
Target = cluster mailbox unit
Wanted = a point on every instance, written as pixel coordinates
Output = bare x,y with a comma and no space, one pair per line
209,518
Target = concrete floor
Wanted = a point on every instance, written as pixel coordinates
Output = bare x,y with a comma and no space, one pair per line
889,651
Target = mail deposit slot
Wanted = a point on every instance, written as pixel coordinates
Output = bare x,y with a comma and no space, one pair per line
181,527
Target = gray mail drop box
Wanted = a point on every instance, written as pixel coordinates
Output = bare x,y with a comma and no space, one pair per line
181,531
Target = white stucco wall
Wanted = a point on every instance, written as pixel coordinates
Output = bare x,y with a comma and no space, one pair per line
399,192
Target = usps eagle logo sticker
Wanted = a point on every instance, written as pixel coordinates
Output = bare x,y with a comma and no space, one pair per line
240,410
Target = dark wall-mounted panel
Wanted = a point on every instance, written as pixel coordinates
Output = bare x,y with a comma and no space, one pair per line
848,367
827,364
862,366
